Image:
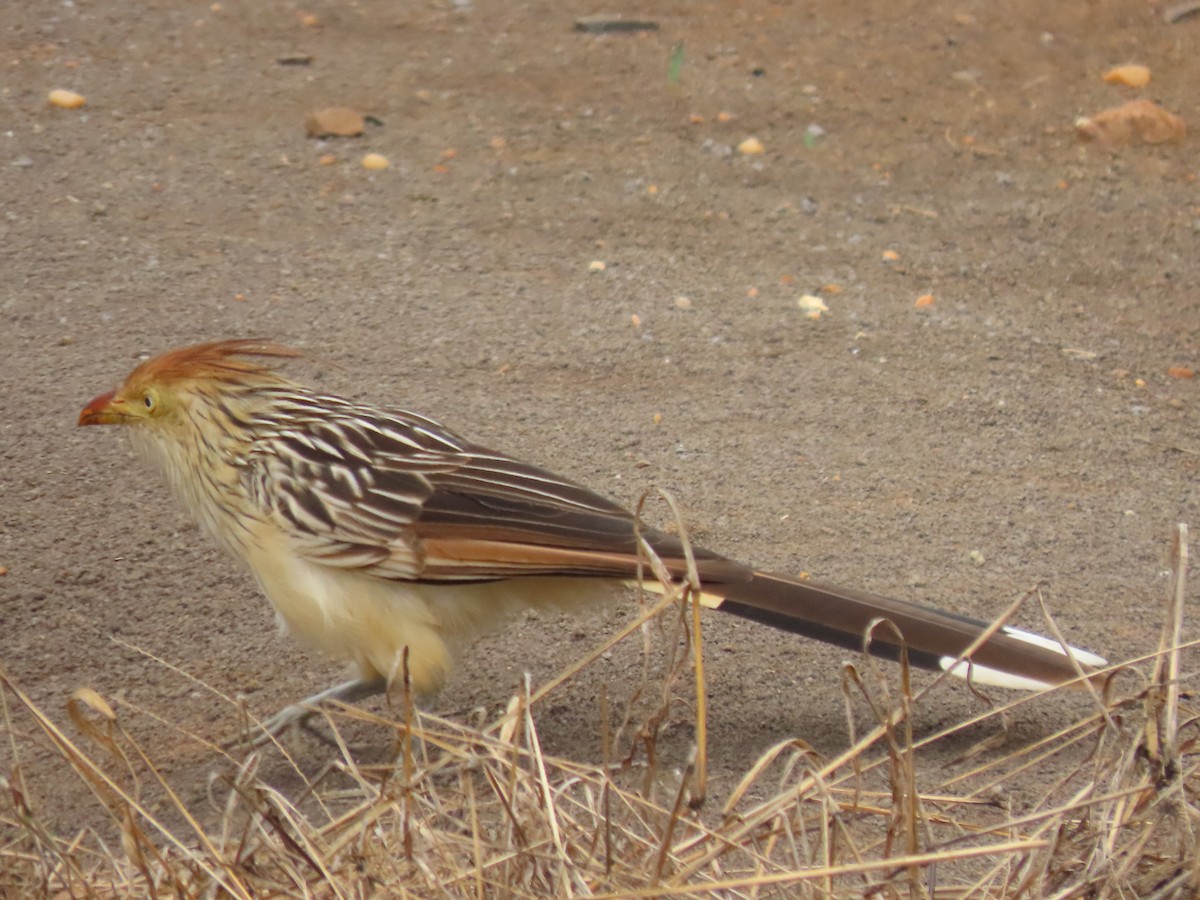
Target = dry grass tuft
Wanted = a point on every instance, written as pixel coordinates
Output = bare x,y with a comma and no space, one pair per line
482,811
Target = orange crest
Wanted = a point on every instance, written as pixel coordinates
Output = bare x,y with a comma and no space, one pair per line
215,361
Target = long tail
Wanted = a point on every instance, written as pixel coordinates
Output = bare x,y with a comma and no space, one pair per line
935,639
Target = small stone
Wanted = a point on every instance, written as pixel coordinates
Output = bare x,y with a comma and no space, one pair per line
375,162
751,146
1130,75
1138,120
66,99
336,121
812,306
607,24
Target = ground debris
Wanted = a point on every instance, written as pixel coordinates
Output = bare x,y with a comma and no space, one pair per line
335,121
1136,121
606,24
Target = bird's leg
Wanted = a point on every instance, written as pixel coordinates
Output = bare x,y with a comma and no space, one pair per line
300,713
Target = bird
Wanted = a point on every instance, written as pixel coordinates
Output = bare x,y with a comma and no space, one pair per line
387,540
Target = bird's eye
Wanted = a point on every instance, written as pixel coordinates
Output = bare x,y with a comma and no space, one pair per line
148,400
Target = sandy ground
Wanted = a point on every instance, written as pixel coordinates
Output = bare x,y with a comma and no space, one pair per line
1022,430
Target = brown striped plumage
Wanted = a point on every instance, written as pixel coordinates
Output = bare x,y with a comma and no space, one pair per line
372,530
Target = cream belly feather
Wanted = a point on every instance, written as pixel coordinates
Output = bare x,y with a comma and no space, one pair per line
370,621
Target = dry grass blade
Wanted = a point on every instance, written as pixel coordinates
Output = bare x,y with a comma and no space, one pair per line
1169,666
482,810
108,790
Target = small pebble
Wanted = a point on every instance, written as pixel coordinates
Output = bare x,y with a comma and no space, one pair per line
1130,76
66,99
597,265
336,121
603,24
375,161
751,146
1138,120
812,306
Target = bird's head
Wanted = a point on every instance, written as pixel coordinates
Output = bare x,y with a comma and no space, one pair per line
162,388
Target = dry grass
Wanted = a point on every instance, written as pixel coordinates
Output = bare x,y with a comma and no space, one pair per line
481,811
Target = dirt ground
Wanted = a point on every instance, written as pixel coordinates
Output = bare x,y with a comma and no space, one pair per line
1022,430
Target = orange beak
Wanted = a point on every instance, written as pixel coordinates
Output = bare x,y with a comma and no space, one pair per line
100,411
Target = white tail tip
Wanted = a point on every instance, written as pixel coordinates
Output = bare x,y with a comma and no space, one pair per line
995,677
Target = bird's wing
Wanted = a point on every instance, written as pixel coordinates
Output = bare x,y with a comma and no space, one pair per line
399,496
